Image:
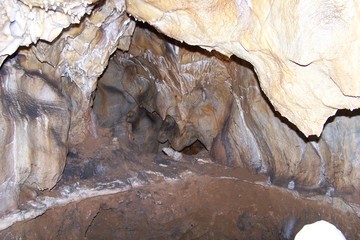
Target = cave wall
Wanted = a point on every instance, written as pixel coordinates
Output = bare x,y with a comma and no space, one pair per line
35,121
47,90
263,140
298,48
218,101
48,87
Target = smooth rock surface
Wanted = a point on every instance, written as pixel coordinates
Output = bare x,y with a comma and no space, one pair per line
35,120
319,230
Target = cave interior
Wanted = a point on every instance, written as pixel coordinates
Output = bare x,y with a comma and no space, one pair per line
168,141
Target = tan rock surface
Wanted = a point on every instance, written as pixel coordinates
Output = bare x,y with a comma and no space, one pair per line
305,53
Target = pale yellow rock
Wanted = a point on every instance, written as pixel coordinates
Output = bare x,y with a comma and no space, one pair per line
66,5
304,52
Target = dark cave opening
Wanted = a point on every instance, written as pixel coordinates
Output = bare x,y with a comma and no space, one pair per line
125,100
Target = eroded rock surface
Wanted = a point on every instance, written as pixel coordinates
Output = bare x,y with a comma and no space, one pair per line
47,90
305,53
25,22
225,110
79,56
188,89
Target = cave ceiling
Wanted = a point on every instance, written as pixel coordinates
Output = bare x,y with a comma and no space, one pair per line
305,53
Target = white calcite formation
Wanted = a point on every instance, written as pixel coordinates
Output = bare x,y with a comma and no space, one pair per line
305,53
320,230
25,22
79,57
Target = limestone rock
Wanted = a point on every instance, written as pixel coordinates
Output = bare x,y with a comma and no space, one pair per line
25,22
78,57
46,90
258,138
188,87
181,84
300,49
35,121
342,152
175,94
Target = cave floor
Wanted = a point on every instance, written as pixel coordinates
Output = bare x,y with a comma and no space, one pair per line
109,191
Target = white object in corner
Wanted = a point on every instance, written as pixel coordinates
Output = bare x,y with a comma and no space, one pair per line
177,156
319,230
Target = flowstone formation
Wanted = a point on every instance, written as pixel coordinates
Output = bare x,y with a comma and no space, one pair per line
72,69
25,22
305,53
46,89
186,94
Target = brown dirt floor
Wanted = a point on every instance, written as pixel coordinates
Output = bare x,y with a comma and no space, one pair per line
189,200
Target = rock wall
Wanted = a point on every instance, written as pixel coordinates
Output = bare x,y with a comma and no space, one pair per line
47,88
218,101
305,53
25,22
35,121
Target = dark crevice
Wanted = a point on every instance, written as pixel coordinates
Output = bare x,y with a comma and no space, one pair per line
194,148
91,223
301,65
